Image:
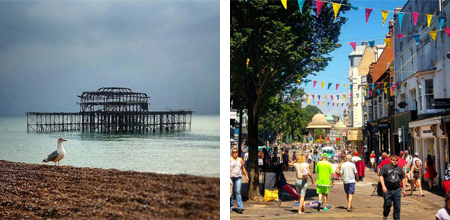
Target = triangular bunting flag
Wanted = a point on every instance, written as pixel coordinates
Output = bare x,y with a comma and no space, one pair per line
351,104
415,16
400,36
359,86
353,44
319,5
384,14
336,8
351,95
308,101
441,22
433,35
333,104
417,38
248,61
379,93
318,97
342,104
379,83
328,104
348,104
343,96
373,85
370,92
325,96
364,94
390,84
337,96
314,102
429,17
387,41
357,95
365,87
447,30
403,84
323,83
318,102
367,103
284,2
300,5
312,96
314,83
385,90
345,85
351,86
368,11
329,85
337,86
282,73
331,97
323,103
400,18
384,84
371,43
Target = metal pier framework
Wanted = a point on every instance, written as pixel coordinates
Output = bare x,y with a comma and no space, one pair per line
111,110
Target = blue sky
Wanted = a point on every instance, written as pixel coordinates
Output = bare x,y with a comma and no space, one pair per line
355,30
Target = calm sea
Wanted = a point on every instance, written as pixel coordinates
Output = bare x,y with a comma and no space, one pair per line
193,152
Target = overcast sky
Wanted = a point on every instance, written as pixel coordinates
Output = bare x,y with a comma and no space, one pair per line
52,51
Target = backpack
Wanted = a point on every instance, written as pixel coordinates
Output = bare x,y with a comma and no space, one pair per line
392,180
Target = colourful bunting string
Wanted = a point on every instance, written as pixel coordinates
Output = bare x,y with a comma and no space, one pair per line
371,44
415,16
400,18
417,38
447,30
384,14
433,35
319,5
300,5
429,16
441,22
368,11
353,44
284,2
336,8
387,41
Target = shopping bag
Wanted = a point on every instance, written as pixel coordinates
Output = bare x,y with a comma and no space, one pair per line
270,195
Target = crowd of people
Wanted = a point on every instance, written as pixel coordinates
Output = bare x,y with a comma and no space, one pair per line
394,172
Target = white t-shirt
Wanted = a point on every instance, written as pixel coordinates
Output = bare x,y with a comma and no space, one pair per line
348,169
246,156
301,170
442,214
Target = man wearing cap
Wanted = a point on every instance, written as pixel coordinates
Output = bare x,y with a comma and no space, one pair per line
324,171
348,170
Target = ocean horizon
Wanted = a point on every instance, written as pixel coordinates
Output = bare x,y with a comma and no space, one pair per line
194,152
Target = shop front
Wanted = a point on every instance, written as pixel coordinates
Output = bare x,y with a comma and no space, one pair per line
430,139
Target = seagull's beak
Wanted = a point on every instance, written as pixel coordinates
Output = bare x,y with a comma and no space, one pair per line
64,140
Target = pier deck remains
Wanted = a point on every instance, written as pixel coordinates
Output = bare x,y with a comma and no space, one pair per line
111,110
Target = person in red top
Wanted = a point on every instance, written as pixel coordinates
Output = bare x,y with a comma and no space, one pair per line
372,160
431,171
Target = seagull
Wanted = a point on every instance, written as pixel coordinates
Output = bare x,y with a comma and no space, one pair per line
58,154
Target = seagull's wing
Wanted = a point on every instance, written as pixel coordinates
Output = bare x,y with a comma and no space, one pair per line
51,157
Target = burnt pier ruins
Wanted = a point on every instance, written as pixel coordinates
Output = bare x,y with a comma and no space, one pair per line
111,110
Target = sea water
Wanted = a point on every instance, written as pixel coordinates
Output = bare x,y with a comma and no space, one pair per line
194,151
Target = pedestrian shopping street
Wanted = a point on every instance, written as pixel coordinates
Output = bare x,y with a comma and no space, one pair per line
365,206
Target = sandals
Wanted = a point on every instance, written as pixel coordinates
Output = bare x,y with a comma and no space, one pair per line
301,213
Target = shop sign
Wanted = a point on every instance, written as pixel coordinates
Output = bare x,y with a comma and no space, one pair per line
383,125
441,103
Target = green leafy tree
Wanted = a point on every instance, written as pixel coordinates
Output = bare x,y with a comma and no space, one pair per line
271,50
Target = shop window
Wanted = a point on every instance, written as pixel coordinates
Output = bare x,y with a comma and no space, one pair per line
420,104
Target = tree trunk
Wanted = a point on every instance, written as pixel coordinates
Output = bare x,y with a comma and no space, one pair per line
253,186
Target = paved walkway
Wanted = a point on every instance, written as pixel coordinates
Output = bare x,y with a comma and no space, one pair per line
364,204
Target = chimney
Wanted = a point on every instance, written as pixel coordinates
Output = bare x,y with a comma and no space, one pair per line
391,29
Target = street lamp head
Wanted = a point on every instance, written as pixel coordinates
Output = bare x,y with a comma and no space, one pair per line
448,55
